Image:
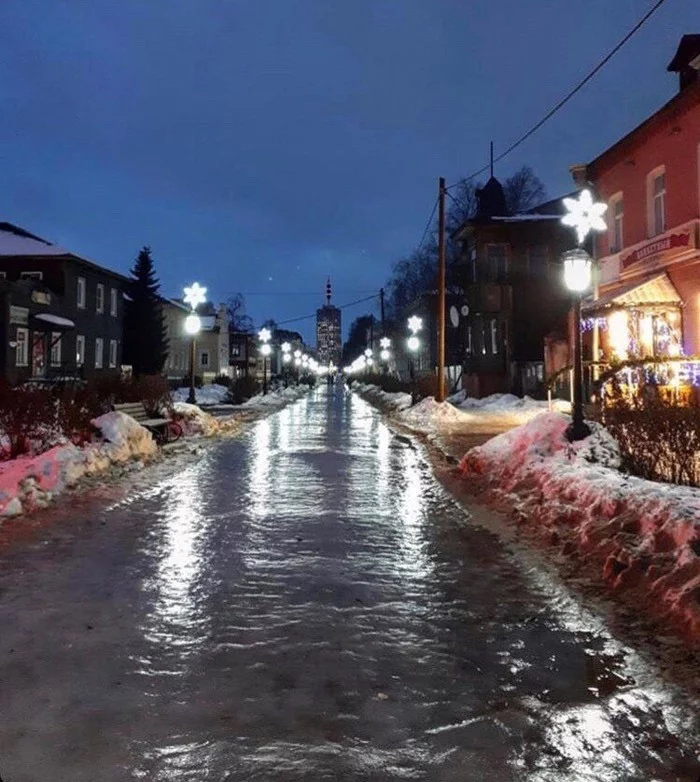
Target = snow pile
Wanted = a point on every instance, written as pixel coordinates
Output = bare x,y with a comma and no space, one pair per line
194,421
428,415
31,482
397,400
643,536
277,398
211,394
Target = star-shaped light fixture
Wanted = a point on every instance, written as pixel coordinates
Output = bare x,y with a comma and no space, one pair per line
385,343
585,215
195,295
415,324
264,335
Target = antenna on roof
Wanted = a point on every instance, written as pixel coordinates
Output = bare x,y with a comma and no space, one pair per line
328,291
491,163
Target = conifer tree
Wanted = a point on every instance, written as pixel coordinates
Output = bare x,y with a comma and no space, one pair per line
145,334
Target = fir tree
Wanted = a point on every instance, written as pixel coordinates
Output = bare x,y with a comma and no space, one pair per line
145,335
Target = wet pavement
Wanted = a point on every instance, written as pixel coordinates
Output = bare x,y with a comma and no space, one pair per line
307,603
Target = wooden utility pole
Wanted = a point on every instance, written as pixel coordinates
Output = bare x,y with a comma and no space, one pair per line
441,291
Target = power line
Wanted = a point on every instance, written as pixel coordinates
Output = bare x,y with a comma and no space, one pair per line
341,307
427,225
570,94
288,293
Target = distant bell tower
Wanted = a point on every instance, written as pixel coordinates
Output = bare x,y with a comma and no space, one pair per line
328,330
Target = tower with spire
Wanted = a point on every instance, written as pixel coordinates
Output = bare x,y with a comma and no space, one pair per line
328,330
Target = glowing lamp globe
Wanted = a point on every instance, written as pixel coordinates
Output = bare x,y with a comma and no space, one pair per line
266,349
297,362
193,324
368,352
413,343
384,355
297,354
286,358
577,270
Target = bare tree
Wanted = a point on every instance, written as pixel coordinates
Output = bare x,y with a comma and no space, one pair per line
239,320
523,190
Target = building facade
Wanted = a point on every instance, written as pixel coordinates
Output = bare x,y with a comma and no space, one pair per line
62,315
514,293
212,347
329,341
648,300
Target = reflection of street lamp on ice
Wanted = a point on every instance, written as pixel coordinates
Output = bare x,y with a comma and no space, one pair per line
583,216
194,296
264,336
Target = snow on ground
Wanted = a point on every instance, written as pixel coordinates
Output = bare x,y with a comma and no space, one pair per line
643,535
28,482
276,398
428,415
211,394
194,420
393,401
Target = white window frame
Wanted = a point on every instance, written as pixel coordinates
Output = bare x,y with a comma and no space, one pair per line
81,301
99,352
80,350
112,353
31,275
616,236
113,302
202,363
469,340
652,199
493,326
22,358
100,298
55,357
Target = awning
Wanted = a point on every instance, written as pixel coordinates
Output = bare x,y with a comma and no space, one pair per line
56,322
654,291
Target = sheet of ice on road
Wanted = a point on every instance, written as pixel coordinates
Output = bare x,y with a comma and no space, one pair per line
307,603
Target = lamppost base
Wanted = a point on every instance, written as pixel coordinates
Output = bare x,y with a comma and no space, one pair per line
192,398
577,430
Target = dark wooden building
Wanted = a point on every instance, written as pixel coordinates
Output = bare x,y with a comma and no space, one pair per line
61,315
514,291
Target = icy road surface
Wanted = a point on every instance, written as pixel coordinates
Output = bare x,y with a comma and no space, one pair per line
307,603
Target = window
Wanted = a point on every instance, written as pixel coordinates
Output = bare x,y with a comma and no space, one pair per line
235,350
22,348
81,293
469,340
100,299
496,262
537,258
31,276
617,211
99,347
657,202
112,353
80,350
3,275
55,349
113,302
494,336
204,358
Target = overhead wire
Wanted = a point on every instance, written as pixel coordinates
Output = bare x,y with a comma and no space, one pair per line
340,307
569,95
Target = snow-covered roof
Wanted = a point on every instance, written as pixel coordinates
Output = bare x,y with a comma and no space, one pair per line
14,244
526,217
56,320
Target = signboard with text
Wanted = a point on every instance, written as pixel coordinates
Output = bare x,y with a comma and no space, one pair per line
670,245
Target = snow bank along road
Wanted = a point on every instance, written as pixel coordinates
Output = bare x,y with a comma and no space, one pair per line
306,603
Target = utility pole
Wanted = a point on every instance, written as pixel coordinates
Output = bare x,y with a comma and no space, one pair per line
441,291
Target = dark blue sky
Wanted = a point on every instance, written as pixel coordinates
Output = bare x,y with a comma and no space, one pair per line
259,145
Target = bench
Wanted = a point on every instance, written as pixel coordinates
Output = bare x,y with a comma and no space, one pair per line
164,430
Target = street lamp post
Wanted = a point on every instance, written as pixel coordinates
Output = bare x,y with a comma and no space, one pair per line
584,216
385,354
264,336
194,296
286,359
415,324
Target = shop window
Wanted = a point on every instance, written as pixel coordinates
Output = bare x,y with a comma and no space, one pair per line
55,349
22,348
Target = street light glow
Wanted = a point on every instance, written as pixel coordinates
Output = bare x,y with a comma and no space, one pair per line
193,324
195,295
584,215
385,355
577,270
286,358
385,343
368,352
266,349
413,343
286,347
264,335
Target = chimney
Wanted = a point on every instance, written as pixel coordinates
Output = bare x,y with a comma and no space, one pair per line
686,62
